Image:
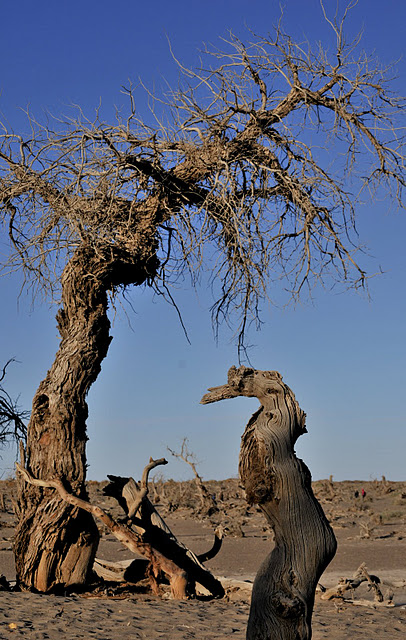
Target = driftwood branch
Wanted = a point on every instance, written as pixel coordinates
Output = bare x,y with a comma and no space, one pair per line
130,570
218,540
143,490
350,584
152,527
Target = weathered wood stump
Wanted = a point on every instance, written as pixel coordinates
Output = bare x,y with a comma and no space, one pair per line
280,484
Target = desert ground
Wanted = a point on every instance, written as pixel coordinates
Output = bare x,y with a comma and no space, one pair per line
369,529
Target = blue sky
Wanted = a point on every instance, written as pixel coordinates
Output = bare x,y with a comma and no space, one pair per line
343,355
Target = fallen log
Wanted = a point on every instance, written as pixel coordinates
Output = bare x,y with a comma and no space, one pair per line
363,602
134,570
131,570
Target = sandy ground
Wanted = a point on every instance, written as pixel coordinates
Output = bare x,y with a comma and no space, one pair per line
132,614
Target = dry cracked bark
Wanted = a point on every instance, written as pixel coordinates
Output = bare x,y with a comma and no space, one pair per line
280,484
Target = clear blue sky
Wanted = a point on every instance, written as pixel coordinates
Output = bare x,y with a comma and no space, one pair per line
343,355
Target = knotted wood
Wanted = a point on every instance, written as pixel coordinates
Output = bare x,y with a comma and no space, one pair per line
280,484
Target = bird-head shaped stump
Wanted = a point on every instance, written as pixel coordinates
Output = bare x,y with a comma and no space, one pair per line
280,484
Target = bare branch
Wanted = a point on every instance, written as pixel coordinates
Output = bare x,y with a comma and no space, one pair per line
207,503
143,489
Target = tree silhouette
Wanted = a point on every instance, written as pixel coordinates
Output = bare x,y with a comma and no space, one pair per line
12,418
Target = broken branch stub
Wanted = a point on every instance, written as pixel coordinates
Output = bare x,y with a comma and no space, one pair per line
128,493
280,484
143,490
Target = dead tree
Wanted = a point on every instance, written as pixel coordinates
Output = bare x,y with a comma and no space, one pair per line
207,502
280,484
229,185
350,584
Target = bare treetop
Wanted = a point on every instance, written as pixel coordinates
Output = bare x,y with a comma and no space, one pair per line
255,173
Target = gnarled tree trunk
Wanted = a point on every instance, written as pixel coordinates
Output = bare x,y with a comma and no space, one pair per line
55,543
280,483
